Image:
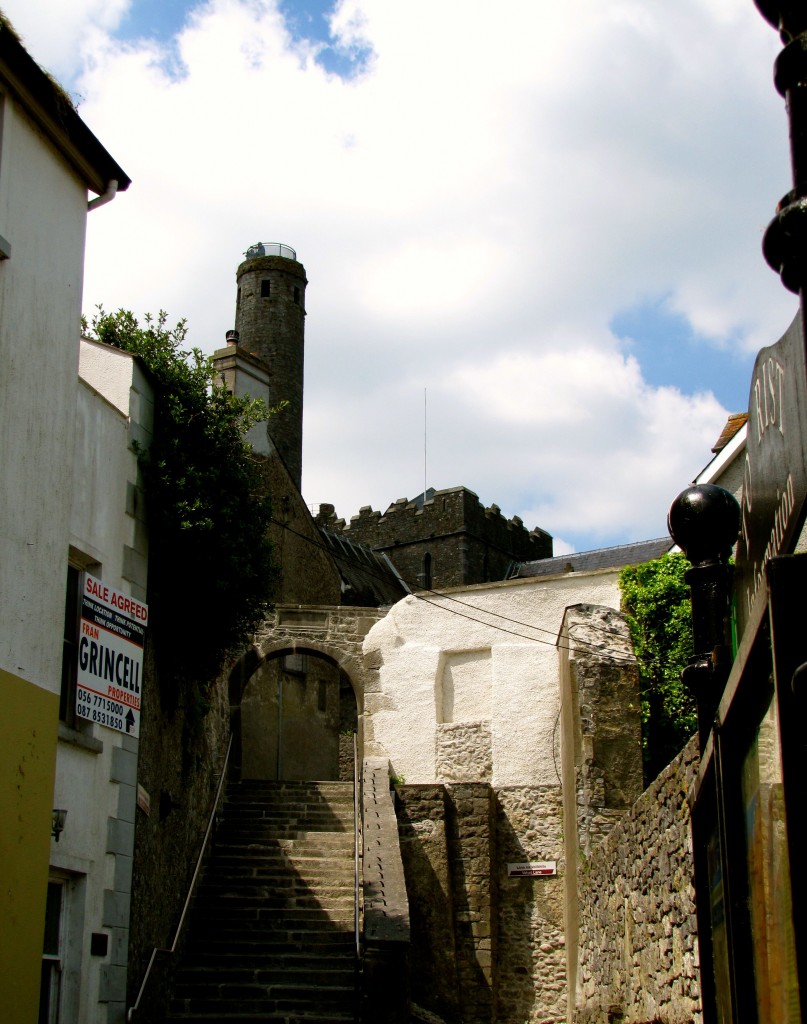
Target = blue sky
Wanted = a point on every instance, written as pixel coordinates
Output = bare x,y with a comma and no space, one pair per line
307,21
672,353
548,215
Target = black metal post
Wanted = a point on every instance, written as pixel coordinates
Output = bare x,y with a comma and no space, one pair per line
785,243
704,521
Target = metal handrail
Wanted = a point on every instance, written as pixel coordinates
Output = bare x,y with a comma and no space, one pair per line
172,949
356,846
270,249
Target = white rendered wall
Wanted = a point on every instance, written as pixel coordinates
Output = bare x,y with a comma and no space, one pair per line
43,208
438,665
103,472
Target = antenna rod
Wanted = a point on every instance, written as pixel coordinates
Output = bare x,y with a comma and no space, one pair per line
424,446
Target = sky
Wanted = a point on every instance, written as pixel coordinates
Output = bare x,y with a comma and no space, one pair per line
531,230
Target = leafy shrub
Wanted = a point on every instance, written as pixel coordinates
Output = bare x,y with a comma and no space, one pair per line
210,561
655,598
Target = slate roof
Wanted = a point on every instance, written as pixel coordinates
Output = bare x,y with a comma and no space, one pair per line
601,558
369,579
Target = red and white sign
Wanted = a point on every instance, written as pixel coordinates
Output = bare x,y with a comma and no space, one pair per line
532,869
112,632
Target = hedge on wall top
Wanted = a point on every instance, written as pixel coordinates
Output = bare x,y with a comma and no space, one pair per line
210,561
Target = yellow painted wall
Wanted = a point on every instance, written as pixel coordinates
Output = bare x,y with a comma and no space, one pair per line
28,733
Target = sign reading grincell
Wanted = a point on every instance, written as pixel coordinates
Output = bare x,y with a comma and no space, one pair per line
112,632
775,473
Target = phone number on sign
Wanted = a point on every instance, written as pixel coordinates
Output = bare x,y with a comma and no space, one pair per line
100,709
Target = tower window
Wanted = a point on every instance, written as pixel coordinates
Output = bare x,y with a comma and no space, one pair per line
427,571
238,298
297,295
265,286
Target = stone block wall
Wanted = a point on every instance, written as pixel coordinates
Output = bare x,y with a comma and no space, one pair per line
424,836
531,961
638,947
485,947
467,542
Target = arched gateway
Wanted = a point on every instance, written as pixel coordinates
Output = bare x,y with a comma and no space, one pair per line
288,692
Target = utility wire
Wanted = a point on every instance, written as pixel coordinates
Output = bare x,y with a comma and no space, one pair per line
617,656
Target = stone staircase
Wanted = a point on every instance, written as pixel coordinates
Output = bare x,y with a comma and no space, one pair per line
271,932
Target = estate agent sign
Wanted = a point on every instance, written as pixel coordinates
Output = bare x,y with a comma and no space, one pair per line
775,473
112,633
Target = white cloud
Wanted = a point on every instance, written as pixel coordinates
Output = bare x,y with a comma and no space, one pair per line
472,211
60,35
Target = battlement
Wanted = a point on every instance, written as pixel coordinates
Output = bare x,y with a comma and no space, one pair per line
452,528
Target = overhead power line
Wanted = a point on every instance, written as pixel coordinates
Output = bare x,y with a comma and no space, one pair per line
617,656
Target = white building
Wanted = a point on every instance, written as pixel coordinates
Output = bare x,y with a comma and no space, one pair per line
49,160
89,882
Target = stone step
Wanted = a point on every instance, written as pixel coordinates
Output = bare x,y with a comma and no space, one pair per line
286,960
218,1017
292,943
296,841
271,934
252,870
336,971
196,995
271,885
263,929
255,998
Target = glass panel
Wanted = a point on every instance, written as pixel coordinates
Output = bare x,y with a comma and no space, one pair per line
769,877
51,964
53,916
717,916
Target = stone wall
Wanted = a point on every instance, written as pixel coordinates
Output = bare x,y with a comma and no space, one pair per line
531,950
464,752
466,542
181,757
485,947
638,950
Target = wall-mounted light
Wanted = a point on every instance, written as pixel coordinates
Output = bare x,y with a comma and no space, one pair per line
57,820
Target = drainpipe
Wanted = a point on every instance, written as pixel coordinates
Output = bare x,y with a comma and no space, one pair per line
105,197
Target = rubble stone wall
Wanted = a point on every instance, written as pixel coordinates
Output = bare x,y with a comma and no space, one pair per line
531,961
485,946
638,950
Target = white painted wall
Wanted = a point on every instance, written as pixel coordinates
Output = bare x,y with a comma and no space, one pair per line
102,471
482,653
43,208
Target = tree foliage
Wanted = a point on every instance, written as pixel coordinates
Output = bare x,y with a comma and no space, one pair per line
656,600
208,507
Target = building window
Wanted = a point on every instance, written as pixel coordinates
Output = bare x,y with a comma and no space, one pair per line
72,608
50,983
296,295
427,571
265,288
295,664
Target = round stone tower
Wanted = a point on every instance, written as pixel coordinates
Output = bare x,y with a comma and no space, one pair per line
270,320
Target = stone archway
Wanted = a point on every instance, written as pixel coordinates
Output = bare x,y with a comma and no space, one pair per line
330,635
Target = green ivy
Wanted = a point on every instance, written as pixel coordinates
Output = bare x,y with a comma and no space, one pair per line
211,571
655,598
